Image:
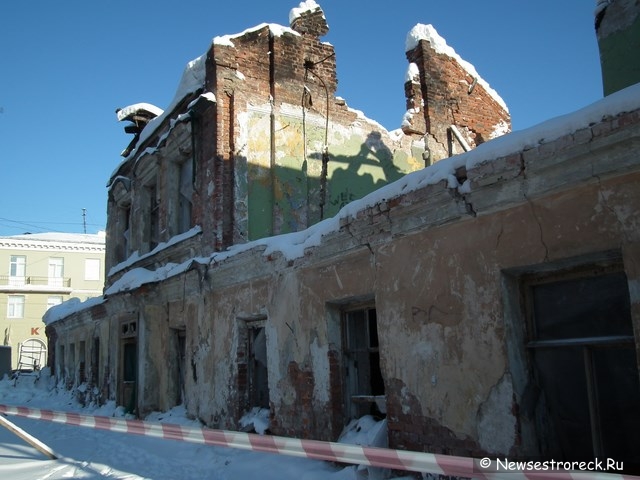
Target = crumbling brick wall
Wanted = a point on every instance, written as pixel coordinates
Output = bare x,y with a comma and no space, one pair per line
445,94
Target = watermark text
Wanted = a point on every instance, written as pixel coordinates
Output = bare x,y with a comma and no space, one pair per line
504,465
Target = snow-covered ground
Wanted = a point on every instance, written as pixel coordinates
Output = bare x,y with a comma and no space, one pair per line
87,453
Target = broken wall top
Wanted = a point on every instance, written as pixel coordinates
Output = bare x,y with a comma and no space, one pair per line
443,90
309,19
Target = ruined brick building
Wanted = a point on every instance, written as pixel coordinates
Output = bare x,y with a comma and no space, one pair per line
270,247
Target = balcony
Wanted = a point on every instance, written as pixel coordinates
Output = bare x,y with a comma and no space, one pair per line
33,283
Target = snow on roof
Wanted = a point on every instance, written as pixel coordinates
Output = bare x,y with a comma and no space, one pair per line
135,256
275,29
125,112
192,80
60,237
66,308
601,5
428,33
293,245
307,6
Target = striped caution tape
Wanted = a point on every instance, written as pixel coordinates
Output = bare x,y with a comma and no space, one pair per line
313,449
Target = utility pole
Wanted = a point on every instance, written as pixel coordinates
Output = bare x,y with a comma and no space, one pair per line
84,219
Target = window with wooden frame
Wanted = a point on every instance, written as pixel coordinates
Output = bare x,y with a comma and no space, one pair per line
15,306
253,373
364,385
584,362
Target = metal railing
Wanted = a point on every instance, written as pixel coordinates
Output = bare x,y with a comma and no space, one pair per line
31,280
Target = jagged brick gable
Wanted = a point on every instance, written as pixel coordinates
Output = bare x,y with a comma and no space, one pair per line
445,91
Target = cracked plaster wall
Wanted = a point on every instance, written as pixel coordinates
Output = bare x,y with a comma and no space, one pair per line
436,274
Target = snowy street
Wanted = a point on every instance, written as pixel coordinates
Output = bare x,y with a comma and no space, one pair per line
86,453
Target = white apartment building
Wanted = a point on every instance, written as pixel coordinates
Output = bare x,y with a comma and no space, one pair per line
38,271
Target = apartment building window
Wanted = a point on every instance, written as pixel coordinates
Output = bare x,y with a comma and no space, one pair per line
584,363
56,271
364,385
92,269
17,270
53,300
15,306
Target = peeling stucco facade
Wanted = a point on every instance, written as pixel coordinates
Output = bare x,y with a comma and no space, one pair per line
445,285
436,279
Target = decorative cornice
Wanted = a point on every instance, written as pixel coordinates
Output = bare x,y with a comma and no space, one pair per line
62,247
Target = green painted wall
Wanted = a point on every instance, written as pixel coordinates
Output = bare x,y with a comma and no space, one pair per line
619,58
285,197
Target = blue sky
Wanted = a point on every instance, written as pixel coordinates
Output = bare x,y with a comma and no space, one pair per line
66,66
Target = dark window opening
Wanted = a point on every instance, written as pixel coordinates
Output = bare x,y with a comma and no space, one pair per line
95,362
128,369
181,353
364,385
82,362
185,196
129,362
62,367
124,242
154,218
585,364
258,373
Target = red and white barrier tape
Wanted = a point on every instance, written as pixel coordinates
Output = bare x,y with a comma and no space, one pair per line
329,451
